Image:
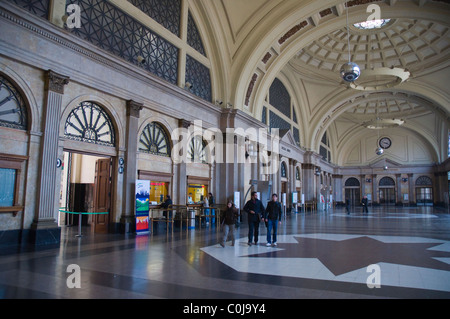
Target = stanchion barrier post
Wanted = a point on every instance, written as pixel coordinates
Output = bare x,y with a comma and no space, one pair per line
79,225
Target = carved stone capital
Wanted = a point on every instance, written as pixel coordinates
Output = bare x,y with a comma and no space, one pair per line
134,108
55,82
182,123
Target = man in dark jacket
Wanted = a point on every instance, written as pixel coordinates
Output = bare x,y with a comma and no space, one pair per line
272,217
365,203
167,204
255,210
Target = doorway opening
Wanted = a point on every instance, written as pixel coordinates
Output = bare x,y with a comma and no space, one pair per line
353,195
86,188
424,196
387,196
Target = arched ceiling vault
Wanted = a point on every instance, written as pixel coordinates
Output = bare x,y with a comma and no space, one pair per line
306,42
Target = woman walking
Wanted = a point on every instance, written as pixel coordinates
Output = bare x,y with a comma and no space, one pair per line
229,218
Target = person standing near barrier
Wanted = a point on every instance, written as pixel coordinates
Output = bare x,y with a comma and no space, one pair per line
167,203
272,217
255,210
211,204
206,209
229,218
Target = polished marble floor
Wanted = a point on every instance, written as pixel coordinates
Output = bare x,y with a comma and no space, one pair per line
388,253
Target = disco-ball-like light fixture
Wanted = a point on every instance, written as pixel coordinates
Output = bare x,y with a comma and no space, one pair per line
379,151
350,71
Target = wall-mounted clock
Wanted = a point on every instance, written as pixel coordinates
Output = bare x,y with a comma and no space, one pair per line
385,142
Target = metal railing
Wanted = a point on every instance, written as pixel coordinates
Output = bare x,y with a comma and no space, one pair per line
184,214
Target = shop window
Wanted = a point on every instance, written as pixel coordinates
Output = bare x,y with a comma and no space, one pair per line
7,186
196,193
158,191
10,171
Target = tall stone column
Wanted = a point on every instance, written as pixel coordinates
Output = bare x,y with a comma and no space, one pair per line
398,185
374,190
309,181
44,229
180,170
411,190
337,188
127,220
363,184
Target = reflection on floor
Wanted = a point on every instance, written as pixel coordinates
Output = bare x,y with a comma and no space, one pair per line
403,251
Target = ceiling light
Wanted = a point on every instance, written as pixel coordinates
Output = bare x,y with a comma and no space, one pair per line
372,24
350,71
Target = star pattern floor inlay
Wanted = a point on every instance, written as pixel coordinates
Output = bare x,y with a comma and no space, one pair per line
345,258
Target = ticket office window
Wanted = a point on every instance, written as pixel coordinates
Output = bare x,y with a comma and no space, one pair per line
158,191
10,172
196,193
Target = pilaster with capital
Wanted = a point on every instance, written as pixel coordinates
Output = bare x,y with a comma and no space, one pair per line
127,219
44,227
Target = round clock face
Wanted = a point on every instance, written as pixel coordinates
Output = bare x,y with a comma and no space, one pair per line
385,142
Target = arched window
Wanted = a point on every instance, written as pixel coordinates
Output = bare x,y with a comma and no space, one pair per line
154,140
281,110
352,182
196,151
283,169
13,111
387,181
424,181
88,122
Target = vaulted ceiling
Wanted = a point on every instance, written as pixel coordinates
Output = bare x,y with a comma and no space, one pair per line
404,64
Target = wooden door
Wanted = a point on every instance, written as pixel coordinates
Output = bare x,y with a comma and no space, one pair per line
102,199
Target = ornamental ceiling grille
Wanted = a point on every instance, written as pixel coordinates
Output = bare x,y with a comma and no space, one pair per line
37,7
199,76
193,36
113,30
165,12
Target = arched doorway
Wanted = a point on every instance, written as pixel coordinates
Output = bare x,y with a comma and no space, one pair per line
86,182
352,191
386,191
424,191
155,148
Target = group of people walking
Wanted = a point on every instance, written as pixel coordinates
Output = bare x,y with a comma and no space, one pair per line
257,213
